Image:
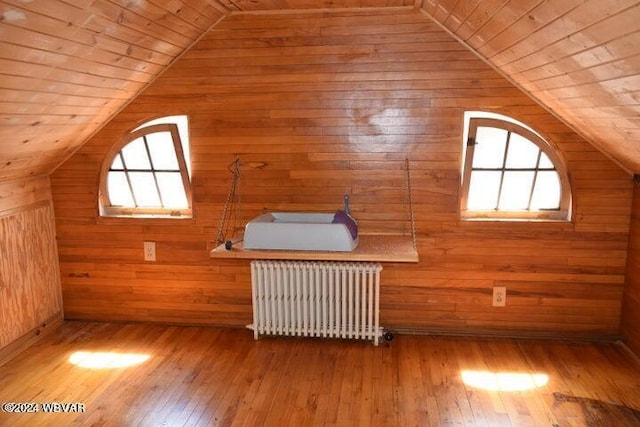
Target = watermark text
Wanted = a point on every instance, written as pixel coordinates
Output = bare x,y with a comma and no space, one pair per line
32,407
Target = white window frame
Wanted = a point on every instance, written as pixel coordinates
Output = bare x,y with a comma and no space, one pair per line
563,213
108,210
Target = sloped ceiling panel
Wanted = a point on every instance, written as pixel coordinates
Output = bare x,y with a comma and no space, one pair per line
283,5
580,59
67,66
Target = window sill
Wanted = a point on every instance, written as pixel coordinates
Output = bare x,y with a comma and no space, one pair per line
489,219
148,219
516,216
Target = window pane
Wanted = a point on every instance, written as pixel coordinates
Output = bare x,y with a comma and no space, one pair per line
172,190
163,154
546,195
522,153
483,190
489,149
509,172
135,155
183,130
117,162
118,189
545,162
516,189
144,188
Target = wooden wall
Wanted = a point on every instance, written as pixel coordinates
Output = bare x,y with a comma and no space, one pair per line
30,292
319,105
631,306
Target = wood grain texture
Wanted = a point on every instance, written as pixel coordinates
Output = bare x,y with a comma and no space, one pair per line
579,59
210,376
631,306
292,5
371,247
21,194
30,338
67,67
321,105
30,291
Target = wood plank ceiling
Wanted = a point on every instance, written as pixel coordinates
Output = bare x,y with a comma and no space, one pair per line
580,59
281,5
68,66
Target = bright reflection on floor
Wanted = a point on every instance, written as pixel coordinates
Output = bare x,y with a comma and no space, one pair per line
106,360
503,381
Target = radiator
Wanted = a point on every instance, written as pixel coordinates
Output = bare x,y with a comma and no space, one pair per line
316,299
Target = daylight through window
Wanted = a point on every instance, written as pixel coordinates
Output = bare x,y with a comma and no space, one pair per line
148,173
511,172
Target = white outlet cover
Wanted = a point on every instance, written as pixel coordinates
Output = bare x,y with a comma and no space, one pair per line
499,296
149,251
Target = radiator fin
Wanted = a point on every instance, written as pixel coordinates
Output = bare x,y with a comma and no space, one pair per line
316,299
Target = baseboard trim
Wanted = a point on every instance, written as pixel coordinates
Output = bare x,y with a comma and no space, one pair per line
439,332
156,322
506,334
11,350
630,352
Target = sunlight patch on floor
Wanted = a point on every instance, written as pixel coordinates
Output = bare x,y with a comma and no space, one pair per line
504,381
107,360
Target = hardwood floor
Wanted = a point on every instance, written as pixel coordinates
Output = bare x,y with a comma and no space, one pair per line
210,377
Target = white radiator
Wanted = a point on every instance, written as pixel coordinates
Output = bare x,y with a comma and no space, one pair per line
316,299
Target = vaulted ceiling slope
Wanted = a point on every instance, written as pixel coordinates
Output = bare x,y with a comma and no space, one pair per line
284,5
579,59
68,66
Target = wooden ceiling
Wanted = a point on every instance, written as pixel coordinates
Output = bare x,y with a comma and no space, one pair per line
580,59
68,66
282,5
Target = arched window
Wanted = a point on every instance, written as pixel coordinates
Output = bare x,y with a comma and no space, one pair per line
148,172
511,172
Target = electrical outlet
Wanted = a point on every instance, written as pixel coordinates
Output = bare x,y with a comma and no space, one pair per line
499,296
149,251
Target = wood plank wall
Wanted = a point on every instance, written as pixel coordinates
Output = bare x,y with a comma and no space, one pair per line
631,306
30,291
319,105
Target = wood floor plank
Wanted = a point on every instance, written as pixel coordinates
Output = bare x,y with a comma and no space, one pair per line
204,376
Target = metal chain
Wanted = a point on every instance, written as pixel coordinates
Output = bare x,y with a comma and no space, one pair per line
411,214
234,168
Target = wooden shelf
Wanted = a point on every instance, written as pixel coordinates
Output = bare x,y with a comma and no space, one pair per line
371,247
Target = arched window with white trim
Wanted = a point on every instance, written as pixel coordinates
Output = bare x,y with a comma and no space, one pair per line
511,172
148,172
